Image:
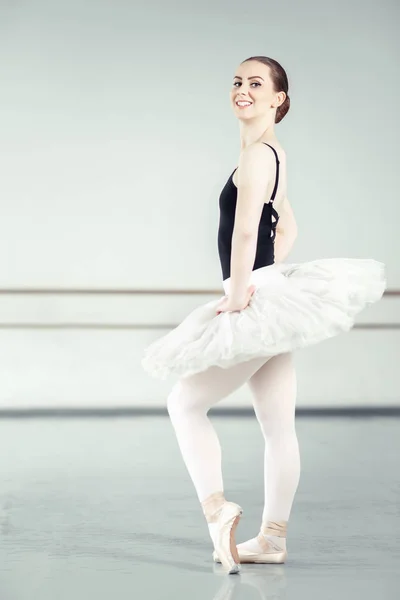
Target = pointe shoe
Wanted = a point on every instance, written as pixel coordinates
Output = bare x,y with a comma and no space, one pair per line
224,517
270,554
225,546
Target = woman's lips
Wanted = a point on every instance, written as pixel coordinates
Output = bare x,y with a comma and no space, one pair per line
243,103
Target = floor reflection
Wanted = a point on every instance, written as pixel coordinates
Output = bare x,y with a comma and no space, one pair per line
268,580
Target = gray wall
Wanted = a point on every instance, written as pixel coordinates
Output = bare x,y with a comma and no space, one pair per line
116,139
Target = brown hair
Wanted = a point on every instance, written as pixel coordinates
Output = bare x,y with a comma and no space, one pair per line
279,81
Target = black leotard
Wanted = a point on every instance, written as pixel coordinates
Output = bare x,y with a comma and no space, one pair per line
266,230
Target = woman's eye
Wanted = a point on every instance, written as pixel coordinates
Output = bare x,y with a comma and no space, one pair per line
252,83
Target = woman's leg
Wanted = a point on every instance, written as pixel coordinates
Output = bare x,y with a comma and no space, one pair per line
188,404
274,389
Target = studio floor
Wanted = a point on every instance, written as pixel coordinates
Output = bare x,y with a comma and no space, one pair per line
100,508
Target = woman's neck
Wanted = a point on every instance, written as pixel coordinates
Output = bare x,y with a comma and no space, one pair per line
256,130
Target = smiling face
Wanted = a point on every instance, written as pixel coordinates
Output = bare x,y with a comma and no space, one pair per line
252,93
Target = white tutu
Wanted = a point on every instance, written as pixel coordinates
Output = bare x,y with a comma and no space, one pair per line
293,306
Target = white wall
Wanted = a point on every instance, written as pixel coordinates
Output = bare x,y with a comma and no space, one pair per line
117,137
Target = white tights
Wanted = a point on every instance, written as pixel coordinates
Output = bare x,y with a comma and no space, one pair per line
273,386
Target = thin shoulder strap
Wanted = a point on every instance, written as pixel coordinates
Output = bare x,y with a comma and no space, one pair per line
277,171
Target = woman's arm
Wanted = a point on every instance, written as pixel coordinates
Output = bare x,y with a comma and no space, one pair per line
255,171
286,231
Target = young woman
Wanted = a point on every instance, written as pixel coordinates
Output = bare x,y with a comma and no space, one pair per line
270,308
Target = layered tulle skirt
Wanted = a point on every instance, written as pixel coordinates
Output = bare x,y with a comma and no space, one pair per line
293,306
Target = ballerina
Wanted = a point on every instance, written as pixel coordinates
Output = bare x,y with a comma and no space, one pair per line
270,308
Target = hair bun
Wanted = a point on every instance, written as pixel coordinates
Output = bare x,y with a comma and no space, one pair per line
282,109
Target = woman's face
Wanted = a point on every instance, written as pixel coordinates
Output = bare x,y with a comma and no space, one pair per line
252,84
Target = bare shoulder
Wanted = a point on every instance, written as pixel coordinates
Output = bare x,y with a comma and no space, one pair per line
255,163
261,153
256,152
280,151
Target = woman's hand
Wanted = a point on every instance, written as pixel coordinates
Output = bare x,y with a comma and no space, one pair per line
228,305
